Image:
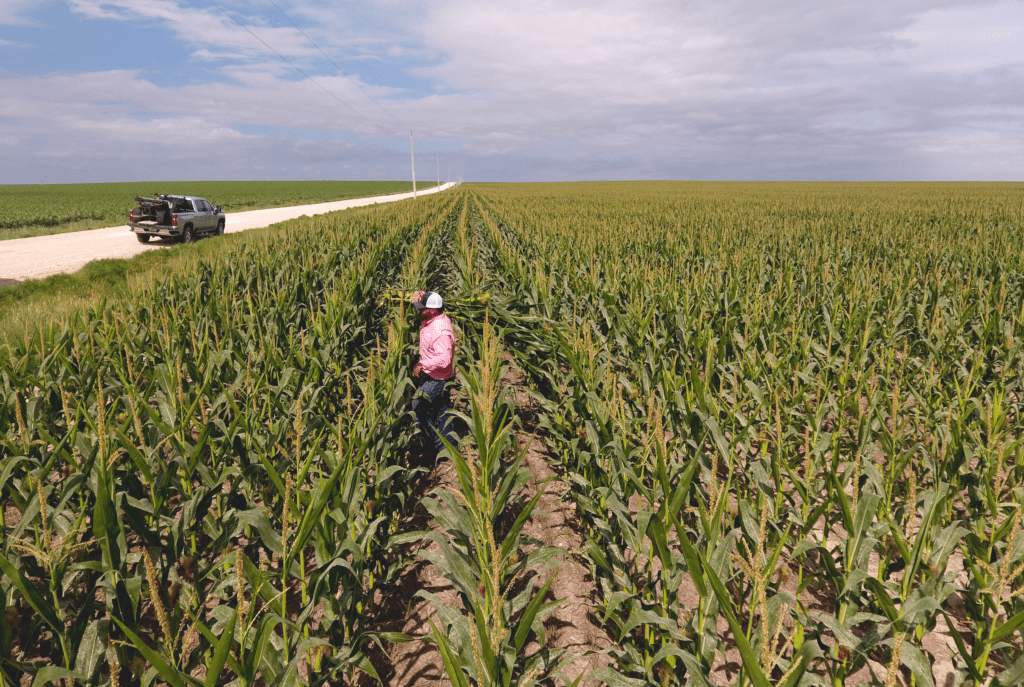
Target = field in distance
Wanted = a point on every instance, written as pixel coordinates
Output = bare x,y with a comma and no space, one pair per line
39,209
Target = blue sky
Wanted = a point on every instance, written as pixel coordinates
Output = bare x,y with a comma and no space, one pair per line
535,90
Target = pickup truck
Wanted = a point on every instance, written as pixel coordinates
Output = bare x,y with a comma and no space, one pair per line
184,217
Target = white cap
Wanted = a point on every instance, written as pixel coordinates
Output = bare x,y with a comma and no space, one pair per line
430,300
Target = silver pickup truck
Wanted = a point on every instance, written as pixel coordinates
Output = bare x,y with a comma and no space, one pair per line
184,217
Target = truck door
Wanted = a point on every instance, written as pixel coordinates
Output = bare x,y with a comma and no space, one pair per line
211,216
204,217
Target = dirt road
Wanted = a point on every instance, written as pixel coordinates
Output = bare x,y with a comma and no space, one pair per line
42,256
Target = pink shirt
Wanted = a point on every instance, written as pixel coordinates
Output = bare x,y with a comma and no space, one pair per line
437,347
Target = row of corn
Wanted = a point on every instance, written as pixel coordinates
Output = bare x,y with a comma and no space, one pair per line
792,424
501,577
197,482
789,416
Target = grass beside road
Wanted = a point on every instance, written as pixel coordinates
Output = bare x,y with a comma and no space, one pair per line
41,209
35,303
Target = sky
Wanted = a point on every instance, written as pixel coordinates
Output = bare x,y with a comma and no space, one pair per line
533,90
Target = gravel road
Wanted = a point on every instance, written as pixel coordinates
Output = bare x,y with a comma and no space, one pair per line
42,256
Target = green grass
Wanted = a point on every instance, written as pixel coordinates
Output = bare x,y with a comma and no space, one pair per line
41,209
29,304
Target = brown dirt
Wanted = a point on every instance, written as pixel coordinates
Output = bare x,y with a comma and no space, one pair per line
570,627
573,625
419,662
12,516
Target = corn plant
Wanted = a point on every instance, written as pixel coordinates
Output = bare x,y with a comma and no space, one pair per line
785,413
835,401
480,549
196,471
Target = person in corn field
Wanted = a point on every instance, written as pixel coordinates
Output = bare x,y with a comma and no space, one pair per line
435,369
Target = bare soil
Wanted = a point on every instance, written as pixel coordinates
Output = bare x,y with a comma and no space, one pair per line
571,627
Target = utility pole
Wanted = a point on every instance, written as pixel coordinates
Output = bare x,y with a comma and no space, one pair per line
412,154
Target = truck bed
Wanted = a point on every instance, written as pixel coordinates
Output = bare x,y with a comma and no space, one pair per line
174,216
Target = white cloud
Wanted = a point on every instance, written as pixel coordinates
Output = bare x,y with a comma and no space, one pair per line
91,101
179,132
94,10
814,86
205,27
15,12
212,56
538,89
966,39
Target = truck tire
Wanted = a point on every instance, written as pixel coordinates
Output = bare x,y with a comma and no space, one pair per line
220,228
143,238
188,236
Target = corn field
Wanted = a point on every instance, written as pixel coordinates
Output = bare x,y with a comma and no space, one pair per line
788,417
24,207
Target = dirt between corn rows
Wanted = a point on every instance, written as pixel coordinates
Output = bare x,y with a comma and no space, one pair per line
821,597
570,627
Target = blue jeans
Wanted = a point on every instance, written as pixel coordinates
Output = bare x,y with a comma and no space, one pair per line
431,405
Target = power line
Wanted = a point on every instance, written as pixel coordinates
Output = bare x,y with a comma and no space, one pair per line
323,88
300,71
337,66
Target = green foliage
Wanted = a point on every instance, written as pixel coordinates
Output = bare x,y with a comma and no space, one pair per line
98,278
36,209
840,367
196,469
479,550
789,416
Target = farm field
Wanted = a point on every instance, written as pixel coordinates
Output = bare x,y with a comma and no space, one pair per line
784,422
39,209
